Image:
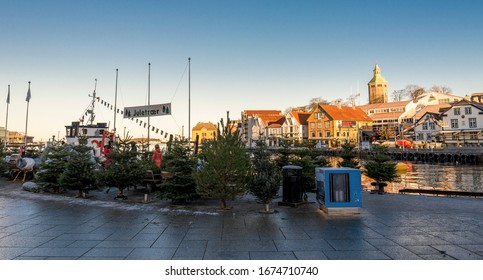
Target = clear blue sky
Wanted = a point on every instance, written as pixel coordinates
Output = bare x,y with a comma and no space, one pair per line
263,54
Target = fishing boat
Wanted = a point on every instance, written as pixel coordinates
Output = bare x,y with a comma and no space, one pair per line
95,135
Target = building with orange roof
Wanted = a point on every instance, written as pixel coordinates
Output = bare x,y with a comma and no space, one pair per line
385,116
261,125
295,126
332,125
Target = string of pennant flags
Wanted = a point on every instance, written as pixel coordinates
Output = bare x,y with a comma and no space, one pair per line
138,121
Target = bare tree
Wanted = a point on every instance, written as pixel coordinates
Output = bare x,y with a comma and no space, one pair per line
399,95
442,89
418,92
314,102
411,91
353,98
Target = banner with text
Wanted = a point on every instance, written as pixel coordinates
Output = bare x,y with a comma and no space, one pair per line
147,111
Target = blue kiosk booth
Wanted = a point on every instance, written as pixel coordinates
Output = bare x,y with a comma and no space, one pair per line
339,190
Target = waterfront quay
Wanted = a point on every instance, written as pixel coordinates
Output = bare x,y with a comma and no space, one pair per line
41,226
462,155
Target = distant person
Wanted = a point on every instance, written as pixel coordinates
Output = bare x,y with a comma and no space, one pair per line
157,157
107,152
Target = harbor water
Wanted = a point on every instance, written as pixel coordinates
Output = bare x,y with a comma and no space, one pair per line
447,177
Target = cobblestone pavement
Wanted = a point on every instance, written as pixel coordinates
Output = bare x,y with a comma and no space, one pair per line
38,226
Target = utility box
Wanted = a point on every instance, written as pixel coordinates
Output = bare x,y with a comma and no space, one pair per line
339,190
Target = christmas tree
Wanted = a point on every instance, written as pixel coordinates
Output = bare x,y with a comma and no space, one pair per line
380,168
226,166
178,161
79,170
265,176
124,169
349,156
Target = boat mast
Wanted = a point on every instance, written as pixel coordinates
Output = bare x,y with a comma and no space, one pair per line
92,106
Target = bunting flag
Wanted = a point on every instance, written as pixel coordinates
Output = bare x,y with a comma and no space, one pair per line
152,128
102,102
137,120
145,125
29,95
157,130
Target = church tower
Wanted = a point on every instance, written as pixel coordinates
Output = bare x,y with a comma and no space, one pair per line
377,88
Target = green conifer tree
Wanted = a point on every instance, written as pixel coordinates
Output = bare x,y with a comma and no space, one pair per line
381,168
52,164
226,166
125,169
180,186
349,156
265,177
79,171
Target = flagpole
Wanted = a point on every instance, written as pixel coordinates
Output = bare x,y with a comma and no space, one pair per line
149,97
6,120
189,101
27,117
115,104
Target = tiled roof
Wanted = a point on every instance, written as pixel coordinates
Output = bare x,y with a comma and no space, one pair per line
431,109
384,105
208,126
345,113
301,117
251,113
386,116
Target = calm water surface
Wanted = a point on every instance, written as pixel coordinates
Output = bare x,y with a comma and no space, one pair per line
450,177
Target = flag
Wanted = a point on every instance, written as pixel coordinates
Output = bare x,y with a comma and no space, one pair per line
8,95
29,95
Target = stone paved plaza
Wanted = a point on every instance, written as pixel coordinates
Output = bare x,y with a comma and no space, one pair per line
401,227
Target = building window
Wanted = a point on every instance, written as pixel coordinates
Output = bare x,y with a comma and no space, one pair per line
320,134
327,134
313,134
432,126
473,135
319,125
425,126
467,110
312,125
454,123
420,136
472,122
327,124
456,111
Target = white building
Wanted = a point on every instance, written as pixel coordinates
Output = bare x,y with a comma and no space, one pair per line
428,124
463,124
295,126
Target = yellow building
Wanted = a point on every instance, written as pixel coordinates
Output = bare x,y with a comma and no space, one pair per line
377,87
204,131
333,125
